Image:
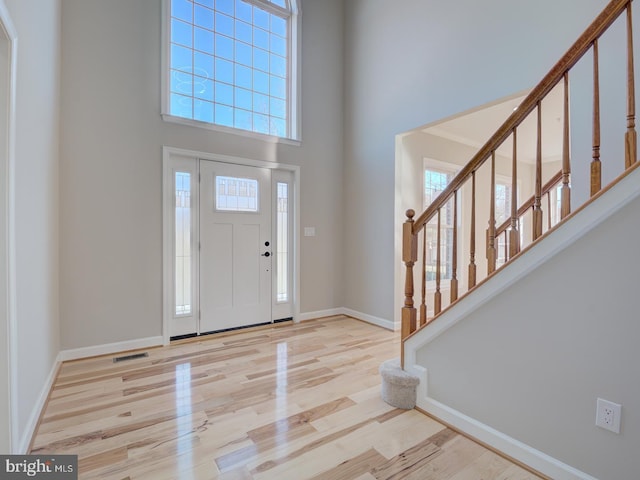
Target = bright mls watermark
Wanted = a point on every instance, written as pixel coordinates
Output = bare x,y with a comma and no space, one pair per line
50,467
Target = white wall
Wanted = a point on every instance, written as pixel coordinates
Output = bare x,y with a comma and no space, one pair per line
111,166
413,62
37,23
531,362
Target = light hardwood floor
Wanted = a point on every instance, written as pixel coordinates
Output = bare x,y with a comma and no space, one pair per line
290,402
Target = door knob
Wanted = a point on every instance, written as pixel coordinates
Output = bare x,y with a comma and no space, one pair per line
266,254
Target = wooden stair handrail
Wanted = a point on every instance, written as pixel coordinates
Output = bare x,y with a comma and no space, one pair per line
602,22
555,180
588,41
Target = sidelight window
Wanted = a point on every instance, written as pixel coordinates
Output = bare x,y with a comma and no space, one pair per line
182,257
282,242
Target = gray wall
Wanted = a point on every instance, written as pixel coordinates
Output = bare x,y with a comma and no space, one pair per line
413,62
533,369
36,198
111,166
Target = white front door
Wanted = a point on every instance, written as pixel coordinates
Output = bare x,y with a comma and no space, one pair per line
235,246
229,243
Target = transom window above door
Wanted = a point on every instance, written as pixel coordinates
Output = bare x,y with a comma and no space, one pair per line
231,63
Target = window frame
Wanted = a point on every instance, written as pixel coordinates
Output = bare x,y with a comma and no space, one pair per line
293,78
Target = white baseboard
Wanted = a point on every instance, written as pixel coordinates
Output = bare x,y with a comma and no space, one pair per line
30,428
27,434
109,348
303,317
515,449
381,322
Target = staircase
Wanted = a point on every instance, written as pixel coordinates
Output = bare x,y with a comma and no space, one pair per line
546,320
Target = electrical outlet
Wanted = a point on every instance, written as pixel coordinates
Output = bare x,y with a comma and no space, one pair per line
608,415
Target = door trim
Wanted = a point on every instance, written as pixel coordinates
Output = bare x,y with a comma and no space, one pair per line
8,161
168,155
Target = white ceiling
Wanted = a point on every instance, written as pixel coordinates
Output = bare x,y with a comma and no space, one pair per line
476,127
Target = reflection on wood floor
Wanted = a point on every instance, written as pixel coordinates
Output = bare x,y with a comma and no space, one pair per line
290,402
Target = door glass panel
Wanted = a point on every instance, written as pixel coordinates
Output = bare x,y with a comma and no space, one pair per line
235,194
183,244
282,242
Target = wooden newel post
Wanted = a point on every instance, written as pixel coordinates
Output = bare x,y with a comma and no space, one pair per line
409,257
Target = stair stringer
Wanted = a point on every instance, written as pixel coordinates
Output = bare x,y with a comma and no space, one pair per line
581,223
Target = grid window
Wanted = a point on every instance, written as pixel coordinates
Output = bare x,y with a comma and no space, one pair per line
230,63
434,183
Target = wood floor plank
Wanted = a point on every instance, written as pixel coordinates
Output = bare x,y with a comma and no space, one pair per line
488,465
365,476
354,467
313,462
267,435
271,371
460,453
368,410
515,472
291,402
92,462
312,445
401,434
405,464
281,432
